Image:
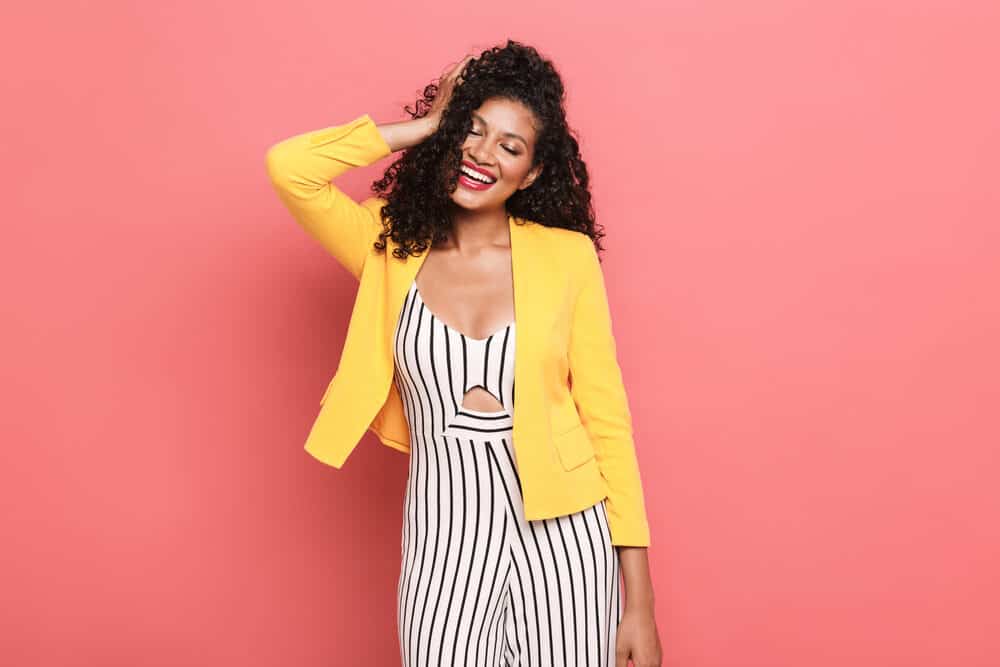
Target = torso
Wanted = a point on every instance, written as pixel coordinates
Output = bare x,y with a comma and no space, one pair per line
472,295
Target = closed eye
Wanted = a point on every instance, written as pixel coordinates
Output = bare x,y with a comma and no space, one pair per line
506,148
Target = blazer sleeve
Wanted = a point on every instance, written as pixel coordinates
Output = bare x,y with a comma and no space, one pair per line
301,168
599,394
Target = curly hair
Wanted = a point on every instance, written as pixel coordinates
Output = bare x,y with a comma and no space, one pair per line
417,209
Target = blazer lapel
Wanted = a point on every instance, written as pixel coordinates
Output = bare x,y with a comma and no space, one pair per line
531,301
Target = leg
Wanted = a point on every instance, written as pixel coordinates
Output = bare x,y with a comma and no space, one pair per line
565,597
455,562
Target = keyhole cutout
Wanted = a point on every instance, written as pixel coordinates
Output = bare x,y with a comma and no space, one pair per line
478,398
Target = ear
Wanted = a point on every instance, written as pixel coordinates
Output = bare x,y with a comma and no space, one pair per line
531,176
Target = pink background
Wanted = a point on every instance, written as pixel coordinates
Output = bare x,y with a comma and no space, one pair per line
802,213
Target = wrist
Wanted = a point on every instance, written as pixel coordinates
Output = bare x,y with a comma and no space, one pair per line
430,123
644,604
640,611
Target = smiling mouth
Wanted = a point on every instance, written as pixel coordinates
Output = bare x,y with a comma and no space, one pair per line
474,180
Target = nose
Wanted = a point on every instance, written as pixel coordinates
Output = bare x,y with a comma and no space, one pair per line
478,152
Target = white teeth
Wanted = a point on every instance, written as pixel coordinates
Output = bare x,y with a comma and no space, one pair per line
471,173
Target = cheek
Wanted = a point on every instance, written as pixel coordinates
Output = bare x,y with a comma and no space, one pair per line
515,169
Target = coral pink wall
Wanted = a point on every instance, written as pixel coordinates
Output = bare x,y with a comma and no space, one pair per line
802,212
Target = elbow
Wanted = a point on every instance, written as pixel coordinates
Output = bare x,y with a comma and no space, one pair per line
276,164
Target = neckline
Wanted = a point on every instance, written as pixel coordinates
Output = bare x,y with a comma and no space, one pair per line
416,291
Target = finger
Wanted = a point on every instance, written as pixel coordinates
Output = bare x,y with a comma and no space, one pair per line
456,70
462,64
449,69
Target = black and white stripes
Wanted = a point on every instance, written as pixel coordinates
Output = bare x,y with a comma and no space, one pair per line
478,584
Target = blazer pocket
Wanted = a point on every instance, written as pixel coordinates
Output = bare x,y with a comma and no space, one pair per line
574,447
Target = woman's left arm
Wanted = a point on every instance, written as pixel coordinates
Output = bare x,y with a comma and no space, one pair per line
638,638
602,402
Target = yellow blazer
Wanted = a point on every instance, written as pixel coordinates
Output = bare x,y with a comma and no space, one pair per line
572,426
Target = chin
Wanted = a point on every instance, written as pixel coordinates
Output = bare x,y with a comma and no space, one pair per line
472,203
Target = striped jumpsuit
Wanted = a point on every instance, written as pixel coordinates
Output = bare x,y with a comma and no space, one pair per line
479,585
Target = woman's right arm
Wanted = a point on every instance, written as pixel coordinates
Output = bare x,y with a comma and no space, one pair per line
301,168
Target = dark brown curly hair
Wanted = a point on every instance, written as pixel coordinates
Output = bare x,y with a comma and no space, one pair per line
417,209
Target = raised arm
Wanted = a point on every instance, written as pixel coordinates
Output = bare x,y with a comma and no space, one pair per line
301,168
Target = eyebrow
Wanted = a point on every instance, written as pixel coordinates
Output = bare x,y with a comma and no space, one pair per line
506,134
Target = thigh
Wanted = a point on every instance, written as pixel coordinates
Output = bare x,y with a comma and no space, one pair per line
455,566
565,597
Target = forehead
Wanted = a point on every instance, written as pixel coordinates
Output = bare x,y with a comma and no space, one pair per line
504,115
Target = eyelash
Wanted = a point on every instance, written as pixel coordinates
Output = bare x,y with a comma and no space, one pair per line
511,151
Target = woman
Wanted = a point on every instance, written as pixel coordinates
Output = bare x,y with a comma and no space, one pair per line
523,508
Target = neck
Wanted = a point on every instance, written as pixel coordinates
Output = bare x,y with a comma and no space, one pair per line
476,229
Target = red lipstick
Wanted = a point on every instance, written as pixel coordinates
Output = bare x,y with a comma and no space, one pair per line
480,179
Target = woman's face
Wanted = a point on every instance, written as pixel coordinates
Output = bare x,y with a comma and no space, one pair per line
500,146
